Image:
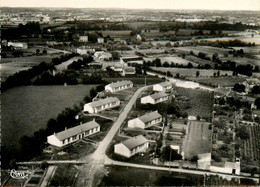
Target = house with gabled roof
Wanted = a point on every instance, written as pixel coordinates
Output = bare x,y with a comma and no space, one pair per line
118,86
73,134
131,146
101,104
146,120
155,98
162,87
250,83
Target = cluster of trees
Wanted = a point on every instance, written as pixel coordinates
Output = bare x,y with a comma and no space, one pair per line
24,77
62,58
79,63
242,132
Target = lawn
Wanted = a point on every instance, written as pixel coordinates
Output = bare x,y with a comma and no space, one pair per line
219,81
201,102
64,175
127,176
197,140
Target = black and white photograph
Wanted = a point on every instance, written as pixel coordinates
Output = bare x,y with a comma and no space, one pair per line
130,93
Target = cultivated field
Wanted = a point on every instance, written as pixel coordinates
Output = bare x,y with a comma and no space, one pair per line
201,102
191,72
198,139
205,49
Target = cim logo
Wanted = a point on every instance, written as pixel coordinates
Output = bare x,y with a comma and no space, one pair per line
20,174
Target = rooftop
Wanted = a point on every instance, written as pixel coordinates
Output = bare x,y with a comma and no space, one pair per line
150,116
135,141
120,83
76,130
164,84
158,95
103,101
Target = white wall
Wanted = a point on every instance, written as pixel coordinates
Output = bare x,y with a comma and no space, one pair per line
121,149
88,108
136,123
158,88
147,99
53,140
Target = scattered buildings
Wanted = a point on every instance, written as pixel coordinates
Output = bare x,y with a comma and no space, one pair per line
118,86
73,134
162,87
83,38
18,45
102,104
131,146
250,83
155,98
146,120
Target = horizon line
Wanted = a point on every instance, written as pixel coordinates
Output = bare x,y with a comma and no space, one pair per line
133,8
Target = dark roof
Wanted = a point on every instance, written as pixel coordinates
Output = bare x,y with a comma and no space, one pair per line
76,130
150,116
129,59
135,141
164,84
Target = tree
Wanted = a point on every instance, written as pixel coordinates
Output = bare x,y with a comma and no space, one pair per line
37,51
257,102
168,154
166,64
157,62
197,74
115,55
194,159
239,88
93,93
256,89
44,52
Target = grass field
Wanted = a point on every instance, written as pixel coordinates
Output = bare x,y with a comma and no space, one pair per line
219,81
201,102
205,49
122,176
10,66
198,139
191,72
64,175
34,106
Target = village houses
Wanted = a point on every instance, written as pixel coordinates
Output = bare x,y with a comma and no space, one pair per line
73,134
118,86
147,120
155,98
132,146
102,104
83,38
162,87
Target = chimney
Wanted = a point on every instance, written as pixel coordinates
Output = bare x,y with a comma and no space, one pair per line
81,123
54,133
94,119
65,128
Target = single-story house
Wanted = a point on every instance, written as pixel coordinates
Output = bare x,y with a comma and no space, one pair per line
147,120
155,98
118,86
162,87
100,40
131,146
83,38
18,45
73,134
102,104
128,71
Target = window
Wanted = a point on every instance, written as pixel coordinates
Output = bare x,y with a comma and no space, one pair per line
74,137
63,141
68,140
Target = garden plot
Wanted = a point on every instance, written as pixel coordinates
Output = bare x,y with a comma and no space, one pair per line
198,139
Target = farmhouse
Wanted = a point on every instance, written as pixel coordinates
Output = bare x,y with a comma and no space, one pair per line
132,60
102,104
83,38
74,134
100,40
118,86
20,45
250,83
162,87
101,55
155,98
146,120
128,71
131,146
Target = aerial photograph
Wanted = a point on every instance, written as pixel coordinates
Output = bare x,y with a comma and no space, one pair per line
130,93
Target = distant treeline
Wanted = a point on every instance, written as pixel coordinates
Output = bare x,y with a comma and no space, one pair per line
32,146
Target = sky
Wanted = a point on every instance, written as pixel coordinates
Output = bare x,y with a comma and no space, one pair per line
139,4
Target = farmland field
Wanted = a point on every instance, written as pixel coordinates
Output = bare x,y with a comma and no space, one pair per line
219,81
27,109
64,65
201,102
198,139
191,72
137,80
241,60
10,66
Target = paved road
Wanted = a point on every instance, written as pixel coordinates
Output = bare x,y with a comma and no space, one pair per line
49,174
108,161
